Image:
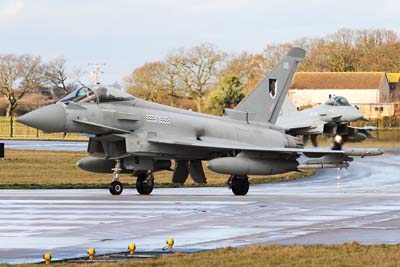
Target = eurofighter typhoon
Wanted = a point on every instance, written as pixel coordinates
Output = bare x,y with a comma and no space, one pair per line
131,135
331,119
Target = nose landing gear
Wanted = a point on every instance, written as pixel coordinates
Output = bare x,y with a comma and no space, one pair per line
116,186
144,182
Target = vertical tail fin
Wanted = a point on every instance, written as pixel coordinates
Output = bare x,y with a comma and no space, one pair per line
265,101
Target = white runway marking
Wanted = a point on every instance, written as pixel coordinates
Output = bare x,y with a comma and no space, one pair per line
45,145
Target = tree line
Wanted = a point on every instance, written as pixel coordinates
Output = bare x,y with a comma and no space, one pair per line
213,79
205,78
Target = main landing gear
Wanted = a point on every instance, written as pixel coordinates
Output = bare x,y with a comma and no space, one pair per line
116,186
145,183
239,184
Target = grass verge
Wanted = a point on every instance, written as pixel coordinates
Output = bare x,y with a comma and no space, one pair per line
32,169
352,254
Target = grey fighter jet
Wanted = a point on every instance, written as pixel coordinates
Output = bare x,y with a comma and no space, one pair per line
330,118
130,135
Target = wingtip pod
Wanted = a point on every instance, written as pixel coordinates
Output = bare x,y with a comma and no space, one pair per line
297,52
364,152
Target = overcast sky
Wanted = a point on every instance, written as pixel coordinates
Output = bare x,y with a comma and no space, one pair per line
126,34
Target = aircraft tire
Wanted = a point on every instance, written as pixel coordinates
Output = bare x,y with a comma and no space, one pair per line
239,185
145,184
116,188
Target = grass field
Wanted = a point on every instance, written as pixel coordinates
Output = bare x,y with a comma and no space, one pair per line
353,255
56,169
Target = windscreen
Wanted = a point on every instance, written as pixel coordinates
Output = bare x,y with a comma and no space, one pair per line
109,94
97,94
80,95
337,101
341,101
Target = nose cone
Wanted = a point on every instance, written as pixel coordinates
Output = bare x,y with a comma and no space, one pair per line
352,115
357,115
48,119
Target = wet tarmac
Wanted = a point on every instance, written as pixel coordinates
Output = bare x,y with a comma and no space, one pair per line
359,204
45,145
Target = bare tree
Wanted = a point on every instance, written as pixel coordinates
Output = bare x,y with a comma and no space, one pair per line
18,76
55,75
185,73
249,68
198,70
147,81
78,74
171,80
273,54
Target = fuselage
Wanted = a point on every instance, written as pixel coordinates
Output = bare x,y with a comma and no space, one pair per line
326,113
150,120
142,120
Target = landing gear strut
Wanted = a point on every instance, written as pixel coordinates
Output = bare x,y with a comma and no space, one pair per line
145,183
239,184
116,186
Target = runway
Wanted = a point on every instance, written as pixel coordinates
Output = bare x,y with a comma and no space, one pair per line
360,204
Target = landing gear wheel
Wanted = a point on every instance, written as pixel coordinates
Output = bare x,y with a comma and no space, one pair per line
116,188
239,185
145,184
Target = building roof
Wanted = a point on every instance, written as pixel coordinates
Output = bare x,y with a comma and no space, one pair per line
393,77
337,80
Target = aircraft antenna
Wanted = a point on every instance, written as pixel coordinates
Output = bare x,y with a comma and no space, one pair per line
96,72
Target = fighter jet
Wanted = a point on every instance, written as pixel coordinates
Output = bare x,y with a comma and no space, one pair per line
131,135
330,118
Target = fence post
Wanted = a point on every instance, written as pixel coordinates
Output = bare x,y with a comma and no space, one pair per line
1,151
11,126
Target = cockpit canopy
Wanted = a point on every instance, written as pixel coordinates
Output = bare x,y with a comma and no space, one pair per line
337,101
97,94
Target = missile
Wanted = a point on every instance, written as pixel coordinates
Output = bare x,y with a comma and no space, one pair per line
251,166
323,165
363,152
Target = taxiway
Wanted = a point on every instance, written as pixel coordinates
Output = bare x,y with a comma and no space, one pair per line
361,203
